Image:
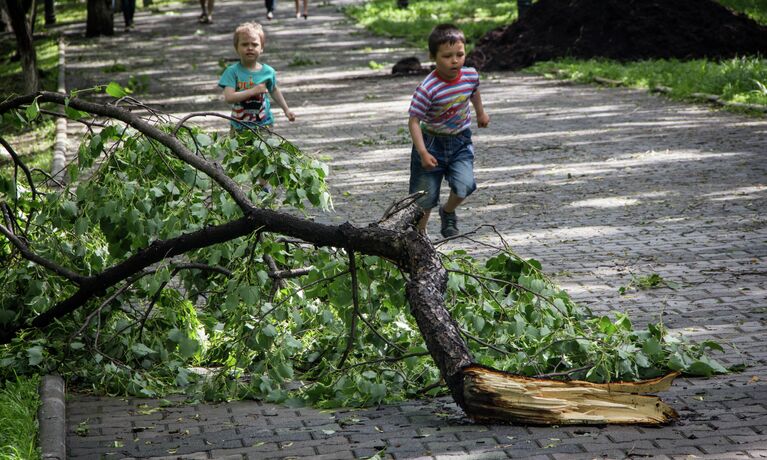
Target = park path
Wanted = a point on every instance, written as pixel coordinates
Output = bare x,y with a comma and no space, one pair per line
603,186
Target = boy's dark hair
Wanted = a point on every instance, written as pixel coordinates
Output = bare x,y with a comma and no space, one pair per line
444,33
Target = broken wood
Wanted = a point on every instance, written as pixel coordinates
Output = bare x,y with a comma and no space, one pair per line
493,396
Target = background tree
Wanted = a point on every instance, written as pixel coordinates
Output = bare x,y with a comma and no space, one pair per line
21,15
100,20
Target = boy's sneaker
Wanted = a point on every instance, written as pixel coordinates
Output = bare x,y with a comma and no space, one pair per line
449,223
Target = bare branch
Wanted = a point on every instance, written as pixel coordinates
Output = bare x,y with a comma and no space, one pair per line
290,273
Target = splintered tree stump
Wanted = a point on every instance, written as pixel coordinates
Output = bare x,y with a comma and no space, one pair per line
495,396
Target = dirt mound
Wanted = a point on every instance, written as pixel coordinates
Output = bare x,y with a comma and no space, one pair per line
619,29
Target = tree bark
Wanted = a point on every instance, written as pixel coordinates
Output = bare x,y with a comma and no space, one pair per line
18,17
485,394
100,19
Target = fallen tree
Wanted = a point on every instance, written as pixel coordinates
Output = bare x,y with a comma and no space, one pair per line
159,257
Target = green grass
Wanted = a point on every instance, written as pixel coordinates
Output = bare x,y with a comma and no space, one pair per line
474,17
47,48
34,142
734,80
19,401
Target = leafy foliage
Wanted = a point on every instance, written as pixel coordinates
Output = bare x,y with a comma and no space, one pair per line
218,322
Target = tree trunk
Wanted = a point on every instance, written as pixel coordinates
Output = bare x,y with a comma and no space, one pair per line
100,20
5,20
26,47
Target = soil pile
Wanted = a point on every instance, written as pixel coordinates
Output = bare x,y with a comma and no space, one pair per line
620,29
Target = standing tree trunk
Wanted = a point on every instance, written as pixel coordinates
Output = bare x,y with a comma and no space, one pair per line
5,21
100,20
17,10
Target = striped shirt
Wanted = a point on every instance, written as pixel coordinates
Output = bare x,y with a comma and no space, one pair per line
443,106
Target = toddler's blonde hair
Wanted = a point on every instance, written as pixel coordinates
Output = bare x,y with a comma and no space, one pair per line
249,27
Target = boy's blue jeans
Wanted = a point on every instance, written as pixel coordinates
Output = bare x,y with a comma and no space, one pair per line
455,162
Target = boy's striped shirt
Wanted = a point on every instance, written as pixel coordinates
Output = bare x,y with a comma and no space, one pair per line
443,106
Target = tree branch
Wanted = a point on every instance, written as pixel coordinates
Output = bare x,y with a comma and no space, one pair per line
355,313
20,164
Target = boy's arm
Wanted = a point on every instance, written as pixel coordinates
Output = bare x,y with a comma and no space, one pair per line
427,159
232,97
280,100
483,119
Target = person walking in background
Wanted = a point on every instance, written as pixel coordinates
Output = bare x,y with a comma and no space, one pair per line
247,82
269,4
439,126
207,12
306,9
128,8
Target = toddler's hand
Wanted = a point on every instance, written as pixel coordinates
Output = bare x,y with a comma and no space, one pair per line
291,116
483,120
259,89
428,161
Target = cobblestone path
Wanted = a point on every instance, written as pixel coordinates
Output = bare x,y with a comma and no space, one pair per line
603,186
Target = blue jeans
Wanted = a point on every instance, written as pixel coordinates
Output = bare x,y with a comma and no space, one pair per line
455,162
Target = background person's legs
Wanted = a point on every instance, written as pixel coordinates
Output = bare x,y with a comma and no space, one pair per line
306,9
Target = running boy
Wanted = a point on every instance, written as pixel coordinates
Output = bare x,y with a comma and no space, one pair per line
246,82
439,126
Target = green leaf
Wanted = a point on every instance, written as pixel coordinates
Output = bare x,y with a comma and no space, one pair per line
35,355
710,344
652,348
115,90
204,140
641,360
699,368
188,347
74,114
142,350
269,330
284,370
32,110
606,326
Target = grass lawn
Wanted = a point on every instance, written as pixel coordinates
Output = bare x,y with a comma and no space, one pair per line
475,17
740,80
19,401
736,80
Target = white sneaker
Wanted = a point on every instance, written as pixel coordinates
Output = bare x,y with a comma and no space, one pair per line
269,15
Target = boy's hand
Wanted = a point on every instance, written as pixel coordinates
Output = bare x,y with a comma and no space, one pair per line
428,161
258,89
483,120
291,116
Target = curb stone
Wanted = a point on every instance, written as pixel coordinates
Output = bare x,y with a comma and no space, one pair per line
58,162
52,418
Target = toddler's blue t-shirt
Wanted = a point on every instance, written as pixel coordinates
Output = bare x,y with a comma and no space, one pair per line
255,111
